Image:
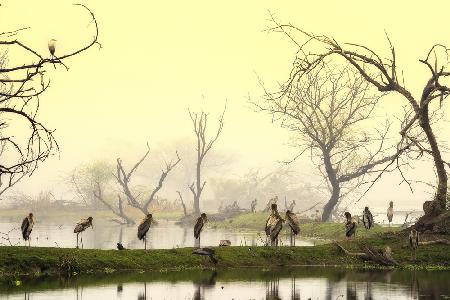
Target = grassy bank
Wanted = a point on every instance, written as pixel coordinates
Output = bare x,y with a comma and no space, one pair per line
256,221
15,261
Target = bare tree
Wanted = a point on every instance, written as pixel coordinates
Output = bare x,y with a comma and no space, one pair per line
200,123
384,75
123,178
326,111
21,85
92,184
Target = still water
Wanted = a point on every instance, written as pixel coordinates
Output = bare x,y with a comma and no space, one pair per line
304,283
106,235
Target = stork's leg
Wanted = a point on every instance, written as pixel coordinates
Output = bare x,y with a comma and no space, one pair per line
77,240
145,242
199,244
81,237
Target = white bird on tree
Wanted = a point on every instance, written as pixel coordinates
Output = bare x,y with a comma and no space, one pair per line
27,227
143,228
82,226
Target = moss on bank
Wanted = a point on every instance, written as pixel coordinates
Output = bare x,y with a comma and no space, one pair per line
15,261
256,221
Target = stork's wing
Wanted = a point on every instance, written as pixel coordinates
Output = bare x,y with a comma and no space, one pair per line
78,228
198,227
276,230
24,227
293,222
143,228
268,225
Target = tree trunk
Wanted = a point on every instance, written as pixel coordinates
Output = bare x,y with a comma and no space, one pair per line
336,189
198,185
441,193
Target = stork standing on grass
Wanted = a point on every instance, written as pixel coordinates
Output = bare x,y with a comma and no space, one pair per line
390,212
414,242
367,218
350,225
199,226
143,228
27,227
274,224
82,226
294,224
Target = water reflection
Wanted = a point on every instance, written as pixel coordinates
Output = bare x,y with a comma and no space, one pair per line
106,235
306,283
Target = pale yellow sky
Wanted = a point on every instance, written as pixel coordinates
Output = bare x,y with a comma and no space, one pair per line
160,57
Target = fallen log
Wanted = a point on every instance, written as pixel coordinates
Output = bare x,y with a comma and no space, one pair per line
379,256
438,241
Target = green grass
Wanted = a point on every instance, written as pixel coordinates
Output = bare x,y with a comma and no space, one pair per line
37,261
256,222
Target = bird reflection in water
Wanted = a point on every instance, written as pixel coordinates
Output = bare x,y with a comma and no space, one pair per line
272,289
204,284
143,296
295,295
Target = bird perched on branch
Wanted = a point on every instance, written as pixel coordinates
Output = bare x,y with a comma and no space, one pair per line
414,242
52,47
367,218
350,225
201,221
390,212
143,228
274,224
27,227
82,226
294,224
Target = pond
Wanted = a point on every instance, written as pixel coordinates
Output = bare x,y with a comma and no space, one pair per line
301,283
106,235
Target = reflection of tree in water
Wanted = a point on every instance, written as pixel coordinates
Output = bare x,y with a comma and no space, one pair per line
206,283
272,289
185,234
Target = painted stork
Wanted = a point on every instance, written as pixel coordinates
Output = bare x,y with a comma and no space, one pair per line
199,226
390,212
367,218
82,226
52,47
350,225
414,242
294,224
274,224
143,228
27,227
